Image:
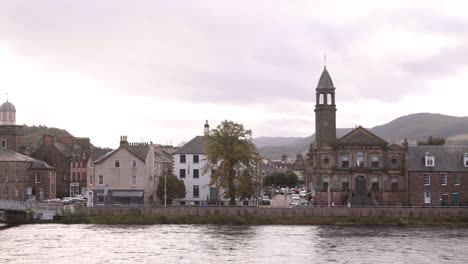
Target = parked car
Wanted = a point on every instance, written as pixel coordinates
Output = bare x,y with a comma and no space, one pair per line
303,194
295,201
295,195
67,200
305,204
265,200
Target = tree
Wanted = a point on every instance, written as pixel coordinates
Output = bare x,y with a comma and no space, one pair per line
310,154
232,158
432,142
175,188
281,179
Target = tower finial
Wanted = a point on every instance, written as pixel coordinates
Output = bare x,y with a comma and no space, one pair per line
7,97
324,61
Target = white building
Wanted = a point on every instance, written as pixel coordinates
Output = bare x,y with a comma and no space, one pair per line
123,176
189,161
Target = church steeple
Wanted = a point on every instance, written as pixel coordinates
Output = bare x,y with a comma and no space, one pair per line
325,111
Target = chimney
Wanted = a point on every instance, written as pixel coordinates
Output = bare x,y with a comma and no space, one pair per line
22,150
284,157
207,129
123,141
47,140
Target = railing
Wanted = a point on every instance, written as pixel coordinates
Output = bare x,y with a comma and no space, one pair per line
13,205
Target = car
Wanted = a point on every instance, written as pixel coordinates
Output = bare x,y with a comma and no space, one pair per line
303,194
295,195
305,204
265,200
295,201
67,200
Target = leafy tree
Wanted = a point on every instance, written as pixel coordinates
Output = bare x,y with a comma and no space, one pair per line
231,154
175,188
432,142
310,154
246,186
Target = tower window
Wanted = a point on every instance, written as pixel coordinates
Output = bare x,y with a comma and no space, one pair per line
3,143
321,99
329,99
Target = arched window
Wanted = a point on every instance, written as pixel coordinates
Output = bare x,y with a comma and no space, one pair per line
329,99
360,160
321,99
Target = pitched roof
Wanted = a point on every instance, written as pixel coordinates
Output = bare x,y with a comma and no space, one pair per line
76,151
163,153
139,149
12,156
195,146
325,80
361,136
447,158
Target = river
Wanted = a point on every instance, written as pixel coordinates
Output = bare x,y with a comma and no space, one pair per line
54,243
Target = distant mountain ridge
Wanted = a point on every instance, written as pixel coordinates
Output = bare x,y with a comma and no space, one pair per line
415,127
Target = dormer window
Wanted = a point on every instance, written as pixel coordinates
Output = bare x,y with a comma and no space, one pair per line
465,160
429,160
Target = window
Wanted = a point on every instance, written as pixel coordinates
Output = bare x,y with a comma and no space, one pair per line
321,99
196,191
344,161
195,159
116,163
79,164
91,164
134,163
430,161
90,179
325,183
394,162
394,185
73,176
100,198
101,179
196,173
3,143
456,179
360,160
345,184
182,158
329,99
17,172
73,164
83,176
182,173
375,162
27,175
427,179
443,179
37,178
65,176
326,161
6,174
375,183
133,180
16,192
465,160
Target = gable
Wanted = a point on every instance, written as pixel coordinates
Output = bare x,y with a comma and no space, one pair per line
361,136
117,152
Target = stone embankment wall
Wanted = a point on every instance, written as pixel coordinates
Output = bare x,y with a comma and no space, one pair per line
279,212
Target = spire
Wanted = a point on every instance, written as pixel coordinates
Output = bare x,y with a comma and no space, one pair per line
325,79
207,129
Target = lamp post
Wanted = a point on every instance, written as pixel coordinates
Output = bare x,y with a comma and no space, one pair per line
165,187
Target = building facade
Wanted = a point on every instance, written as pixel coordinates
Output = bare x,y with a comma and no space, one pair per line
359,168
69,155
24,178
123,176
189,161
438,175
10,133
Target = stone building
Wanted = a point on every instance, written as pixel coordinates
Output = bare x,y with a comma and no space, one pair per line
438,175
359,168
24,178
69,155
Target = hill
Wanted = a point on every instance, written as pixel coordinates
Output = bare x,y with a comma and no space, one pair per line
32,135
413,127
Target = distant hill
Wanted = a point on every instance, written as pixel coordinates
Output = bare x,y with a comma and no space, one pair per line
414,127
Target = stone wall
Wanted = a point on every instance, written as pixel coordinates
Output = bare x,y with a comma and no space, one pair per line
279,212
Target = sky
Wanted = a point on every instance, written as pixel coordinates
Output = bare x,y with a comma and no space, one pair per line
156,70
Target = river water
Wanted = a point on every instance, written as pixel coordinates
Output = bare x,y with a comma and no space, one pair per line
54,243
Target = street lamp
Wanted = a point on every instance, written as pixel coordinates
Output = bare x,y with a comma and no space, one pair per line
165,187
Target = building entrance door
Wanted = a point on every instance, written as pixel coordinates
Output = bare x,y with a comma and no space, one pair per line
360,185
454,199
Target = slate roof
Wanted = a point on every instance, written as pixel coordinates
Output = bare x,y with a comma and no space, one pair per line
139,150
195,146
76,151
163,154
97,154
12,156
447,158
361,136
325,80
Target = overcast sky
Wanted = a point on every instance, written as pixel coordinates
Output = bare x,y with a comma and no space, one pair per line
156,70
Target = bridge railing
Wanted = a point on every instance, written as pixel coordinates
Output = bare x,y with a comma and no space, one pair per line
13,205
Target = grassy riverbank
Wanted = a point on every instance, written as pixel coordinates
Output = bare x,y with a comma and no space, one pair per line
108,219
